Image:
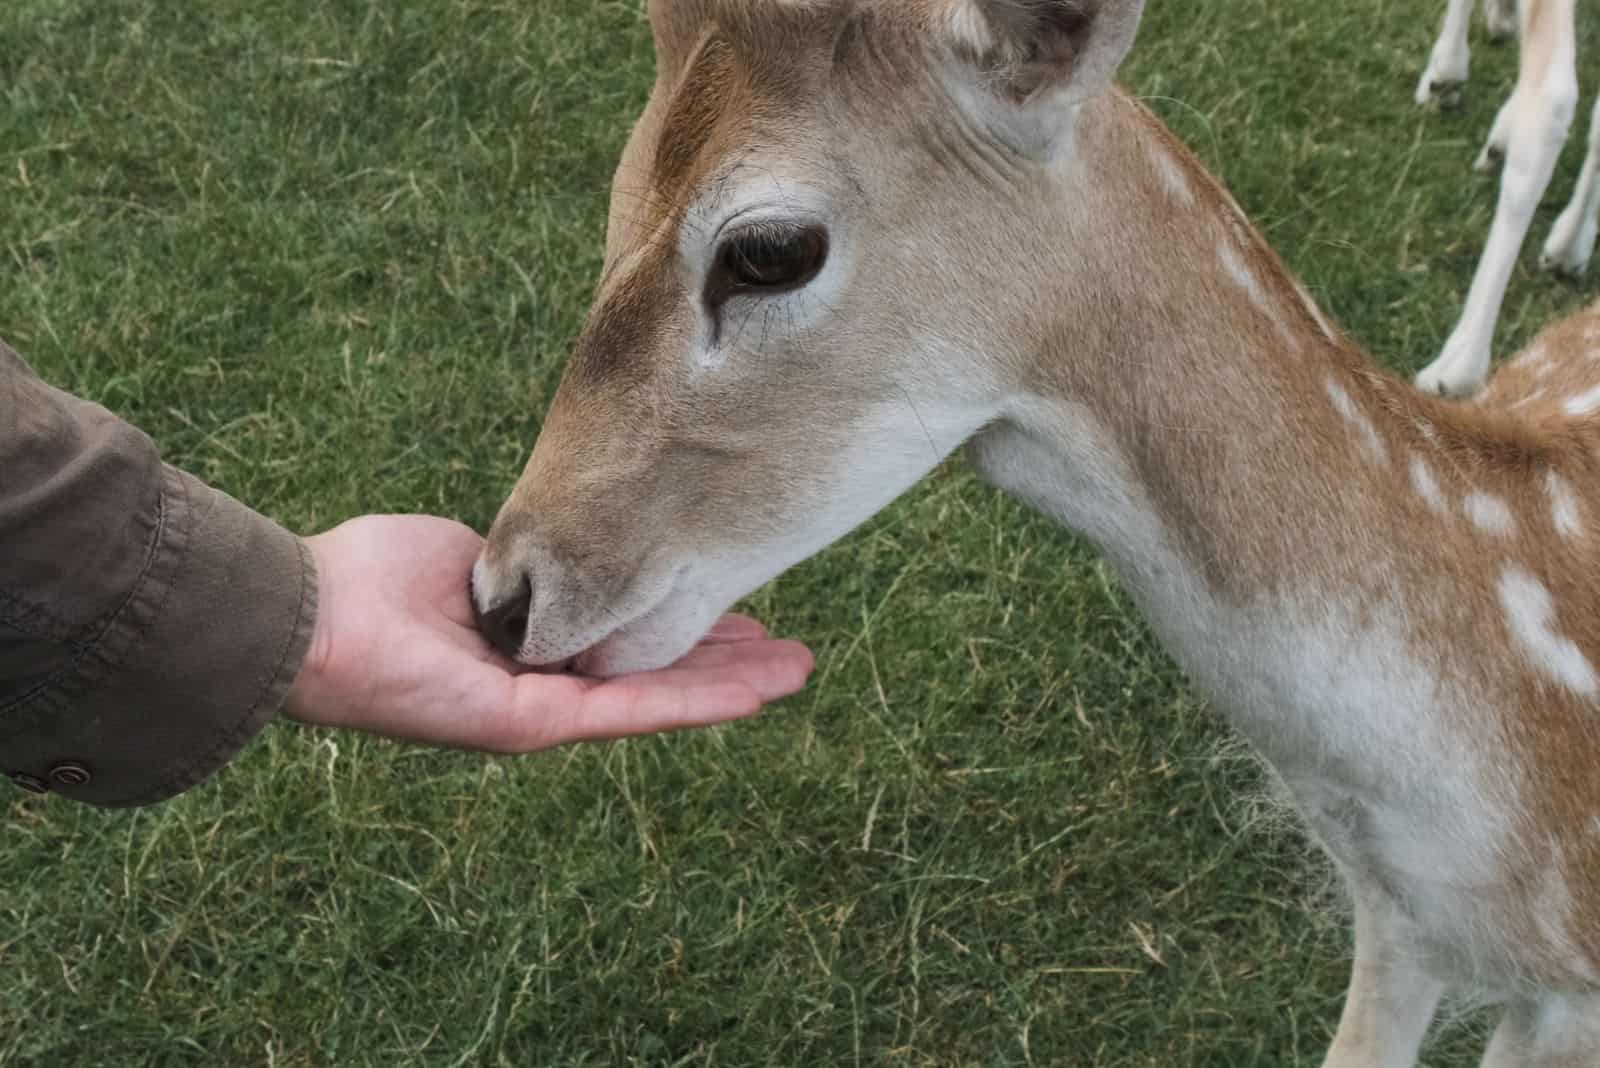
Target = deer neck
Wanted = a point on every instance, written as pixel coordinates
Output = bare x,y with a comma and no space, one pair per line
1261,486
1200,387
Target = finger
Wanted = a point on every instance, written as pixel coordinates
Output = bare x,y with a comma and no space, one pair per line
778,670
734,628
773,669
530,713
623,709
686,700
695,695
753,660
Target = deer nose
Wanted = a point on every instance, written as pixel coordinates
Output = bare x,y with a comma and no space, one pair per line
505,622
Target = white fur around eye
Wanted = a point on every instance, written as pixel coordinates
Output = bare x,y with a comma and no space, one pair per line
752,322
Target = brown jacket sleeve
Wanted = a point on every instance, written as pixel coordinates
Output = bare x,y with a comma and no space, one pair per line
149,625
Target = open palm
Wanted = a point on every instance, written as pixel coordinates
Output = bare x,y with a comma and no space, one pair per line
397,653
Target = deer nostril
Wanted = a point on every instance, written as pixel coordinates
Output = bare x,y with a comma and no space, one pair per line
505,625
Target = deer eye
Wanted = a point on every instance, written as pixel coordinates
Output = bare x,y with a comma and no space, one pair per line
768,258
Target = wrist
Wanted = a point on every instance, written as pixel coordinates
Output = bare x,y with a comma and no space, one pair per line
302,697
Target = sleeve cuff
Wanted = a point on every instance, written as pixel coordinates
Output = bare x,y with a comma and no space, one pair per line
198,659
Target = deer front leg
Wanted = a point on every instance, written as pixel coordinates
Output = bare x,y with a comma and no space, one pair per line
1554,1031
1533,125
1448,62
1391,998
1571,240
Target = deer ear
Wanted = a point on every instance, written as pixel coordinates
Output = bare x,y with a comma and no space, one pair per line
1039,56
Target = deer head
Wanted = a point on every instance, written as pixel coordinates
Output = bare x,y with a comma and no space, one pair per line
822,275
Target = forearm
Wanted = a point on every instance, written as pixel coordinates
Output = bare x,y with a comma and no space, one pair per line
149,625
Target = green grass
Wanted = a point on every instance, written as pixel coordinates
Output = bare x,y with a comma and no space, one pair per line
331,256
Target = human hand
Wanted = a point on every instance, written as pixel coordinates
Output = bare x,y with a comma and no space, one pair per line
396,653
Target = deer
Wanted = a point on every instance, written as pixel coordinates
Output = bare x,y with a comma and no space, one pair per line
1528,134
848,237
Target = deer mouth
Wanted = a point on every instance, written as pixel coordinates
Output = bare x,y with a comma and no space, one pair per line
651,632
658,638
555,623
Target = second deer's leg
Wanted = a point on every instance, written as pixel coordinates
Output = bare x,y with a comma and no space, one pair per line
1571,240
1533,124
1447,63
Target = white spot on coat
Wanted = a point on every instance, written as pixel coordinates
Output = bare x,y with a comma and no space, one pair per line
1426,485
1241,274
1565,511
1489,513
1172,175
1584,402
1531,355
1246,280
1529,399
1357,418
1316,312
1530,611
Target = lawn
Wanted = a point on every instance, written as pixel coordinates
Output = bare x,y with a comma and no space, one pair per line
331,255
